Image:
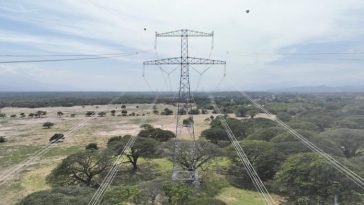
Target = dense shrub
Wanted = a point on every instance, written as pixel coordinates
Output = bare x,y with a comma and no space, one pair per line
72,195
2,139
92,146
48,125
167,111
56,138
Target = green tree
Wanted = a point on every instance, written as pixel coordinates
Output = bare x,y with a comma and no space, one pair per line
121,195
158,134
142,147
304,125
101,114
265,134
84,168
238,127
265,159
252,112
204,152
188,121
214,135
319,118
194,112
287,139
167,111
41,113
113,112
60,114
90,113
204,111
178,194
92,146
2,139
124,112
48,125
307,178
241,111
349,141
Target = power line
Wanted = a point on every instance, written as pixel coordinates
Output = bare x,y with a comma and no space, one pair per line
298,54
67,59
61,55
45,149
98,195
358,180
257,182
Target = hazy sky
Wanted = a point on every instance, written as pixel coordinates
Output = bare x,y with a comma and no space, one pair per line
257,46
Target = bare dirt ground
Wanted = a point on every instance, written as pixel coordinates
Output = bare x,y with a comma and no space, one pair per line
26,135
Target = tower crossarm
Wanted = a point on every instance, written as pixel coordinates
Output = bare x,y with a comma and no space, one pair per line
185,32
190,60
165,61
204,61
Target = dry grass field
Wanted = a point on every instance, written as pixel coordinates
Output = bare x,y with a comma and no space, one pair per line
26,135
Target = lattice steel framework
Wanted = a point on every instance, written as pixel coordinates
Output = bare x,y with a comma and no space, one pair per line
184,103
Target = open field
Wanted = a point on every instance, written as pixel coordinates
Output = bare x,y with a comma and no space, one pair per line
26,135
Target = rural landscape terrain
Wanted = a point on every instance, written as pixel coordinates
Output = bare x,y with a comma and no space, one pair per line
71,171
193,102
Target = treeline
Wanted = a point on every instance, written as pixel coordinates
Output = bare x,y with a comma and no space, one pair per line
68,99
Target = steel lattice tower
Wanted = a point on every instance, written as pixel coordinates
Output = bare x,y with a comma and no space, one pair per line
184,103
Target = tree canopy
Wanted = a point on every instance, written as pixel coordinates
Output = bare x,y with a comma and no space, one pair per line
307,178
349,141
82,168
48,125
142,147
264,157
158,134
215,134
238,127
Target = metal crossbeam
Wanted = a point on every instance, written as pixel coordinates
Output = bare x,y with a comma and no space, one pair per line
185,32
190,60
184,98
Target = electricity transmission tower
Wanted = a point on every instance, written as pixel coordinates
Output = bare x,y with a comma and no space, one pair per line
184,103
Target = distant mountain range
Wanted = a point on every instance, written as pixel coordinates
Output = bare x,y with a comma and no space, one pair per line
320,89
9,84
28,85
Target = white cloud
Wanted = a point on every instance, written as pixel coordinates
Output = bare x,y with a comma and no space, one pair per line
269,27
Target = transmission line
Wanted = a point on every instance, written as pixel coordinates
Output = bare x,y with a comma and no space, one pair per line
253,175
299,53
257,182
358,180
98,195
59,55
67,59
45,149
